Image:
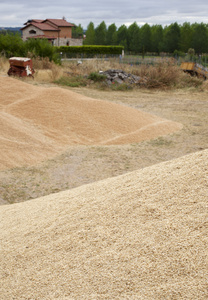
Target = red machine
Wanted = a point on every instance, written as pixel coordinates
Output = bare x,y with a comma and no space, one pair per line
20,66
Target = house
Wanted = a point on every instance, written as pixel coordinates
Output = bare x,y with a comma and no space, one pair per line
56,31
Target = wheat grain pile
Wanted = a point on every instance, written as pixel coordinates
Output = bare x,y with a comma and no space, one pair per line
36,123
142,235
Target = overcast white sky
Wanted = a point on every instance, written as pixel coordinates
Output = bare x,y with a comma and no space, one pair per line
13,13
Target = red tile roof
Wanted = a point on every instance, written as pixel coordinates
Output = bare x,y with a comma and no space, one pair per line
33,20
48,24
37,21
42,26
59,22
45,26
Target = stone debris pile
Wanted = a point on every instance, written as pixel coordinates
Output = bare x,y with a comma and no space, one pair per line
119,76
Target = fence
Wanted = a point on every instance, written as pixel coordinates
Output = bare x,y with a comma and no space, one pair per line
141,59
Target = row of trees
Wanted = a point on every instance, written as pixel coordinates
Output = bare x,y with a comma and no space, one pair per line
173,38
148,38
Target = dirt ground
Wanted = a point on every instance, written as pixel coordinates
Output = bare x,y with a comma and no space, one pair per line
82,164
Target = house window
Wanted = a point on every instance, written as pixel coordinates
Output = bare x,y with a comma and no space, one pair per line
32,31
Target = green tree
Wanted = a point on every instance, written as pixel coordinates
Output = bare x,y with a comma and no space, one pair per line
77,32
186,37
122,35
200,38
3,31
41,48
171,38
145,45
100,34
111,36
156,38
90,35
133,38
12,45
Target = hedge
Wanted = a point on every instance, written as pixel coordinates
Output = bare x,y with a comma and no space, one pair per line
89,50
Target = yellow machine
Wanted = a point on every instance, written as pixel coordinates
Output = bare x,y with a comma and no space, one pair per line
194,69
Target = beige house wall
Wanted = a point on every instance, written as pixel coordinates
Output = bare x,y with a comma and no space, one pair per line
68,42
75,42
26,34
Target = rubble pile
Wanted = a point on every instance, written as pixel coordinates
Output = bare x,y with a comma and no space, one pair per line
119,76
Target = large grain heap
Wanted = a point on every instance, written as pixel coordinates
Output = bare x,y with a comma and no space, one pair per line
38,123
142,235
